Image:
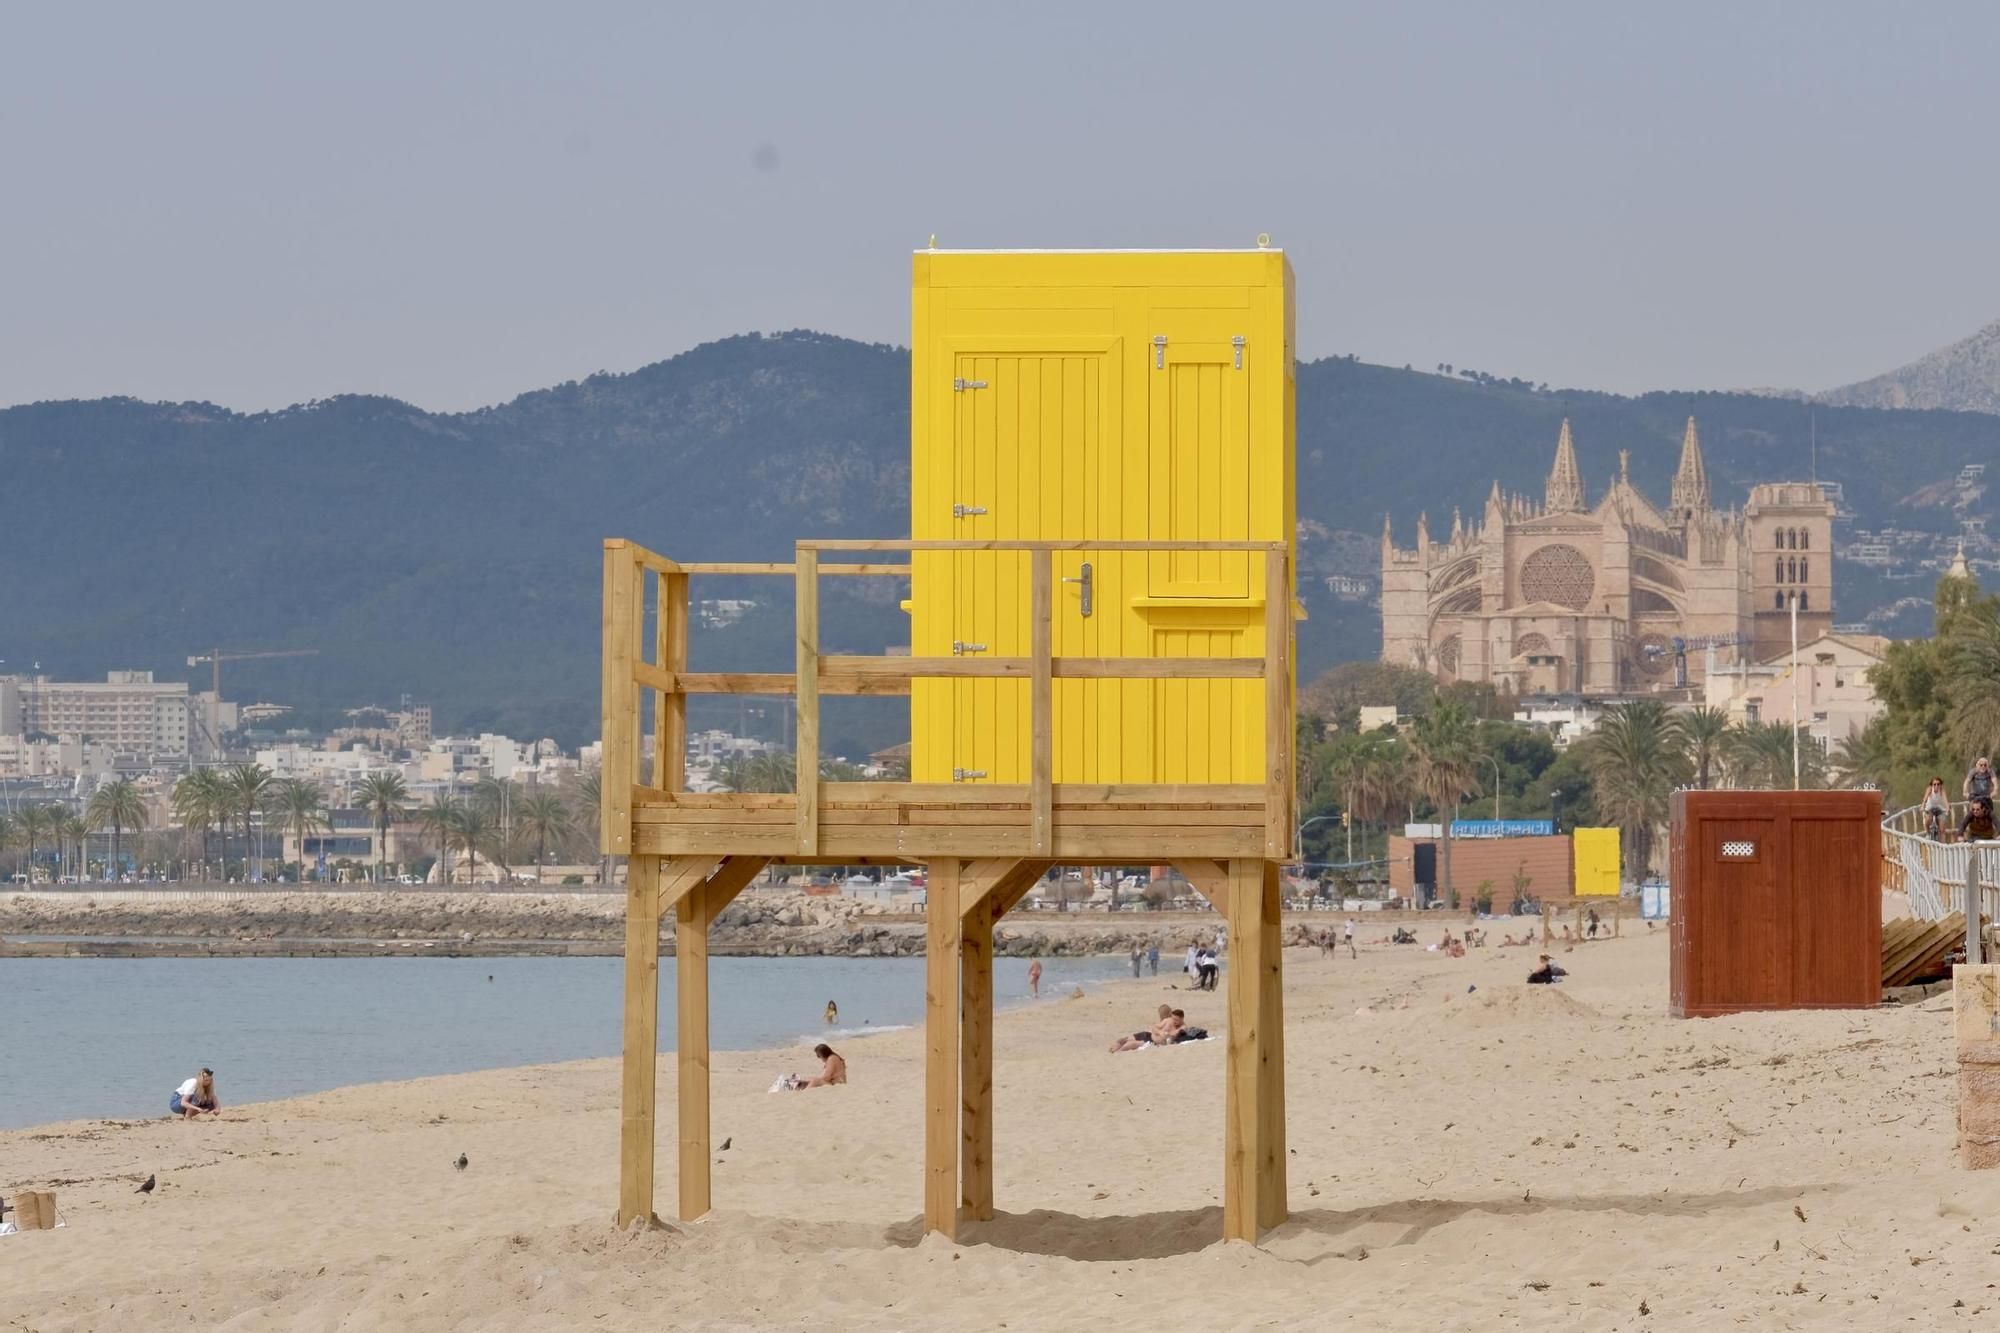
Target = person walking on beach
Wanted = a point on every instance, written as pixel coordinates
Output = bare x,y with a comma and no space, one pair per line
1349,932
1936,809
1138,956
1035,978
1153,958
1979,782
196,1097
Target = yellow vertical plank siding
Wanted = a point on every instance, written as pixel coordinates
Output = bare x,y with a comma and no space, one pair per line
1082,428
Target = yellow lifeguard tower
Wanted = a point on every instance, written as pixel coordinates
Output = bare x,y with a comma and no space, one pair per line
1101,596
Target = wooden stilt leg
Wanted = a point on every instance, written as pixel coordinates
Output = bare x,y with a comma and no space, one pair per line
943,932
975,1079
641,1040
1244,1128
691,921
1272,1208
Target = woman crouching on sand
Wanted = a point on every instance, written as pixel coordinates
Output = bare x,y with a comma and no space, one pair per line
196,1097
832,1070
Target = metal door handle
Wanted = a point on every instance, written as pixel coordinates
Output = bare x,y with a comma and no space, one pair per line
959,648
967,774
1083,577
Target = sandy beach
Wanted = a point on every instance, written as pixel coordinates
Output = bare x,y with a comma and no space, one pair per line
1545,1158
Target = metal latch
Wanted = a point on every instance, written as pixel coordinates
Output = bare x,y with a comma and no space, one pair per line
960,649
967,511
1083,577
1159,351
961,385
967,774
1237,343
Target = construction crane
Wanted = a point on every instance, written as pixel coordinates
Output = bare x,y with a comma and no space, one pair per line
216,657
1680,651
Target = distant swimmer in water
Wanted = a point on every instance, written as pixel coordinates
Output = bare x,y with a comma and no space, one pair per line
832,1013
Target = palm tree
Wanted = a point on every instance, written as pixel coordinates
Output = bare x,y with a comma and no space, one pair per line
118,804
249,790
495,799
439,819
70,832
202,801
10,836
303,809
472,829
386,800
31,825
542,816
1863,757
590,806
767,772
1448,758
1971,664
1635,761
1760,755
1701,732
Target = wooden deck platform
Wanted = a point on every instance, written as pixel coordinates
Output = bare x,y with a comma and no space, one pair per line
985,845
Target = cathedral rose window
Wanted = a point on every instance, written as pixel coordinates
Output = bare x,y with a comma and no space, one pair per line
1560,574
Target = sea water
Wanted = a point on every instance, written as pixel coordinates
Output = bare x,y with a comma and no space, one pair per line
113,1037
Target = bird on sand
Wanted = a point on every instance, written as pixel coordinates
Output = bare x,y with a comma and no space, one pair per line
725,1145
146,1188
462,1162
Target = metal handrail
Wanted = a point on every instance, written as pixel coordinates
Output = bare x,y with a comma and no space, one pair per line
1932,873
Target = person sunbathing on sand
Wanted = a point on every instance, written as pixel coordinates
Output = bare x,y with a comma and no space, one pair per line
1151,1035
832,1070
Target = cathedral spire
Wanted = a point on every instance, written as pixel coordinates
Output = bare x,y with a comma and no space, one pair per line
1959,569
1690,498
1457,526
1564,494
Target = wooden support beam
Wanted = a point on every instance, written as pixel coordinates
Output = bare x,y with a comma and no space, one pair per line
1252,1171
975,1075
691,922
1210,880
1041,708
695,908
641,1041
670,709
807,771
995,880
787,571
619,710
678,876
1272,1205
942,935
1278,724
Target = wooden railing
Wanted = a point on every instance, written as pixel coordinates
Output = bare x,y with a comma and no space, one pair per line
630,672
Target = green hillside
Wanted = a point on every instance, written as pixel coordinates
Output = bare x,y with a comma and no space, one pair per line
455,556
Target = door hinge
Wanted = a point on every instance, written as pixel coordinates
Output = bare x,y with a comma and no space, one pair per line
961,385
1159,351
1237,343
967,774
960,648
967,511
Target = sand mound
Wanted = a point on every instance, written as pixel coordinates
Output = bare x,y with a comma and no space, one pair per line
1522,1003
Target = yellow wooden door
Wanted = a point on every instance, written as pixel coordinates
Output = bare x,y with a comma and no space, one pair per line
1028,427
1198,476
1199,472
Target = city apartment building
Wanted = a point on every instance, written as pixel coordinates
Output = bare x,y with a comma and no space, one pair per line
128,710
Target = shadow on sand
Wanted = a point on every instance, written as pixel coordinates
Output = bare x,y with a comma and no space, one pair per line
1313,1235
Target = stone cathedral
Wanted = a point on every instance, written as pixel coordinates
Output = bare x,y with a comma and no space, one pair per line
1562,596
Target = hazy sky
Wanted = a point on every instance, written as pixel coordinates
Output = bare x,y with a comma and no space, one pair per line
262,204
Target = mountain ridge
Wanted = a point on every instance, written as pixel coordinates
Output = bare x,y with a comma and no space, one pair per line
455,556
1963,376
